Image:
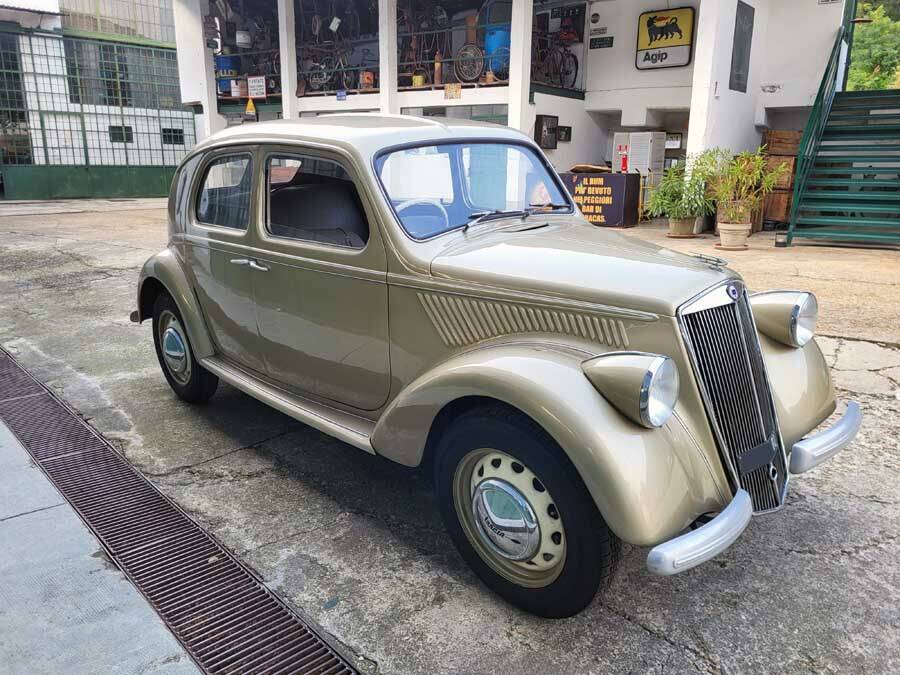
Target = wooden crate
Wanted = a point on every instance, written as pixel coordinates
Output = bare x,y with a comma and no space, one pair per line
782,142
786,181
778,206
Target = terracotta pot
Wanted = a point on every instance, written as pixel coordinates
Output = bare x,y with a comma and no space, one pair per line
733,236
681,228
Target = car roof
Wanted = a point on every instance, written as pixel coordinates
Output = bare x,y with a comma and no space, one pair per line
364,133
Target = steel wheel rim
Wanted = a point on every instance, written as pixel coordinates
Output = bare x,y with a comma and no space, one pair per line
534,566
173,345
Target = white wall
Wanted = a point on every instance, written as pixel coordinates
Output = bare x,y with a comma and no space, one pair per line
800,37
590,141
614,83
720,116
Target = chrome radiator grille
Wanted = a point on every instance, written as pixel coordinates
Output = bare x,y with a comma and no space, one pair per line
724,349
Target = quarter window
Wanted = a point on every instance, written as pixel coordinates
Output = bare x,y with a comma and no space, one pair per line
314,199
224,199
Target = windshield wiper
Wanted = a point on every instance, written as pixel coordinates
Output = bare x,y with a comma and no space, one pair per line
549,206
483,216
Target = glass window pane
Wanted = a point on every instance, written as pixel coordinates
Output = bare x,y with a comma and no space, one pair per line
314,199
225,197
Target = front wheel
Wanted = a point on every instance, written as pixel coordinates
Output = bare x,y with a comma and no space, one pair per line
519,513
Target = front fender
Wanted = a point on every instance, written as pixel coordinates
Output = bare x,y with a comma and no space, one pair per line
801,386
648,484
167,269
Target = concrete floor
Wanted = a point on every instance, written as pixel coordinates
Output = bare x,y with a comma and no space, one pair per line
355,544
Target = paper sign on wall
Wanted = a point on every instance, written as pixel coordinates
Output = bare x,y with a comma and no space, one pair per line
665,38
256,86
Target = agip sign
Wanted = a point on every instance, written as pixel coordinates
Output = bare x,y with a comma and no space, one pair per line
665,38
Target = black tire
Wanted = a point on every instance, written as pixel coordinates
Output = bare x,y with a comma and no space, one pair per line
201,384
591,549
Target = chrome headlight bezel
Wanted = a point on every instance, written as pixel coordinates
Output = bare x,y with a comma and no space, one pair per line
786,316
643,387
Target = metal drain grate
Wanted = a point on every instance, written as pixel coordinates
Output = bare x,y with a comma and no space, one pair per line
227,620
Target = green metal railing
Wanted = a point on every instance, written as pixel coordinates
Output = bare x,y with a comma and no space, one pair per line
835,74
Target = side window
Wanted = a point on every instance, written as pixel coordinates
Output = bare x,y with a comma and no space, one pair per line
314,199
224,197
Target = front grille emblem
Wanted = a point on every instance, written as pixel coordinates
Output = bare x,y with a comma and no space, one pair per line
733,292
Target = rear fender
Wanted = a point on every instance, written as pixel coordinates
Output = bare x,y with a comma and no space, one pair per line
649,484
165,271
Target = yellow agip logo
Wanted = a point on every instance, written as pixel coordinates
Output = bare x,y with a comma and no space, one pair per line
665,38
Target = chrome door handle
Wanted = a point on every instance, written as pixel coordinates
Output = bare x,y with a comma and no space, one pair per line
258,266
240,261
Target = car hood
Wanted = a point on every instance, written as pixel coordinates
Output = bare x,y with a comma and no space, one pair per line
569,258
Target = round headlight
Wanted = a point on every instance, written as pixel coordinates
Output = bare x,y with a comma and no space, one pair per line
659,392
803,319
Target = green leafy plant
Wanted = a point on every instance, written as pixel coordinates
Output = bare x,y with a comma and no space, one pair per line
737,183
875,62
679,196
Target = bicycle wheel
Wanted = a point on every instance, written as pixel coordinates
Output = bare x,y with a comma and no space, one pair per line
568,72
469,63
349,78
499,62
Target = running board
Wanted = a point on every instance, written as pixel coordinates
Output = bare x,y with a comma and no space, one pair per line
349,428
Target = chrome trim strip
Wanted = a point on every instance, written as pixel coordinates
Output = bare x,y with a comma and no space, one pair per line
704,543
813,450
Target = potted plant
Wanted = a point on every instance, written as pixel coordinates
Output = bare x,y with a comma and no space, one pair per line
680,198
738,184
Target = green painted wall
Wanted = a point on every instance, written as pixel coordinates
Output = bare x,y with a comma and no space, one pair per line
70,182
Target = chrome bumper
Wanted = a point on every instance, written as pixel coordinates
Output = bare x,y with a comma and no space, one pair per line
813,450
707,541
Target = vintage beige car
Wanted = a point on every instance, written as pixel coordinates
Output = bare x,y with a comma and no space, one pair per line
426,291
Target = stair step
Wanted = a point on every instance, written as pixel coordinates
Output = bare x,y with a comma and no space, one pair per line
806,205
826,233
851,196
874,93
884,105
868,133
888,128
876,159
845,182
850,220
862,147
863,116
864,170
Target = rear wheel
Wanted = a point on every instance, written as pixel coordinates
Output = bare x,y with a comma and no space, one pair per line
519,513
188,379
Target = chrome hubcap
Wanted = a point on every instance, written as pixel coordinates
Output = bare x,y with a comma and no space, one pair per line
174,348
505,520
509,517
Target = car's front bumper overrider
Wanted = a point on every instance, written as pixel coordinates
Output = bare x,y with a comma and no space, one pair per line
813,450
709,540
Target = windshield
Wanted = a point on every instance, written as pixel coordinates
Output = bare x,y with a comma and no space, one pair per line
437,188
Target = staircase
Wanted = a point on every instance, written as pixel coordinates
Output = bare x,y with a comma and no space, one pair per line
851,190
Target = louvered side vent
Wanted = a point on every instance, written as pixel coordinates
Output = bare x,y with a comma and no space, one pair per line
726,356
462,321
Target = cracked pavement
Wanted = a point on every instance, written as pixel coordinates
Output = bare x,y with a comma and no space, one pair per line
355,544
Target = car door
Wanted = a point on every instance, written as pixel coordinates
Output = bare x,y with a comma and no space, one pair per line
320,280
219,238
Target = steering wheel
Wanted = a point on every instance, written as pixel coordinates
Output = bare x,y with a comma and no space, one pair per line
427,202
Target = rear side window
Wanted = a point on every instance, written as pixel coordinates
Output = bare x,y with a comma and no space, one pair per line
314,199
224,198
